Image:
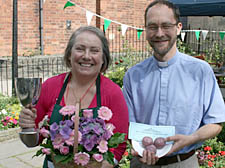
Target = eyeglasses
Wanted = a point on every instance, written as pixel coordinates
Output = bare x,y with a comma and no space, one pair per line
164,27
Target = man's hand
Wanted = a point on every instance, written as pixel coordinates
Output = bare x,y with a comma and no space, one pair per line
148,157
180,141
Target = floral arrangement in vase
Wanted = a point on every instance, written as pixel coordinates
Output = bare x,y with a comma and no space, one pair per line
95,137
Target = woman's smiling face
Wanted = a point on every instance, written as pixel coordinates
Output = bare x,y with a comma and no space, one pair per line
87,54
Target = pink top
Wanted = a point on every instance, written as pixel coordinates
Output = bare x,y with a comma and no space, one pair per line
111,96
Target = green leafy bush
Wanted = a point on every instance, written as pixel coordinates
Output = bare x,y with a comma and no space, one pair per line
221,136
117,76
120,68
5,100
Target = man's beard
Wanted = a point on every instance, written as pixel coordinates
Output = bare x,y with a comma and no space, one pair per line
162,51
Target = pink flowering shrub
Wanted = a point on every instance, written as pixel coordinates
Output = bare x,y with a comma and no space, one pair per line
9,116
95,137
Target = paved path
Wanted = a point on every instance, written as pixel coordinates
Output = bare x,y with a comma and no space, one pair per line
14,154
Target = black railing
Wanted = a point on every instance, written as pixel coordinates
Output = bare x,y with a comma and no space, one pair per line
128,46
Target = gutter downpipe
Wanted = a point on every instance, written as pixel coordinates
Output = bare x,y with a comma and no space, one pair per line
14,46
41,25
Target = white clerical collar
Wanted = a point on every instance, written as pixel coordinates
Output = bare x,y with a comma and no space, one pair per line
162,64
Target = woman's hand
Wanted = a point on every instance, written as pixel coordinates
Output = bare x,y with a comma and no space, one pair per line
27,117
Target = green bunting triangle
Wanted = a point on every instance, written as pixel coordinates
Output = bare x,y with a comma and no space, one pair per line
68,3
139,32
106,24
197,34
222,35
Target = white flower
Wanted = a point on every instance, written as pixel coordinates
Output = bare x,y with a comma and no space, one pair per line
43,122
3,112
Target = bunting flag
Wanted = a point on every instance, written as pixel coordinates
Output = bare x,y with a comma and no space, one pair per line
89,16
106,24
183,36
222,35
204,34
197,34
139,32
124,29
68,3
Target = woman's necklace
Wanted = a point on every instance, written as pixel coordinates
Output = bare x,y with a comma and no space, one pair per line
79,100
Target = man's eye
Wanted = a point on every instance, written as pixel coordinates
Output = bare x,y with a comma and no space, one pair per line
166,26
152,27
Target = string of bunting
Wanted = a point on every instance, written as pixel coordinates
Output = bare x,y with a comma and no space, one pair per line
124,27
107,22
203,32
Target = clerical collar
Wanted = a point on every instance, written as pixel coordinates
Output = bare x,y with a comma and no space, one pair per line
167,63
162,64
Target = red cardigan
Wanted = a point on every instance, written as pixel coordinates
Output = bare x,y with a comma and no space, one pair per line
111,96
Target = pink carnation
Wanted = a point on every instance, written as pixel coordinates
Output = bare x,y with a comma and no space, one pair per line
44,132
64,150
110,127
81,158
102,147
88,113
67,110
46,151
105,113
98,157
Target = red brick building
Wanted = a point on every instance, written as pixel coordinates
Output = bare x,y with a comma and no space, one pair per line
55,31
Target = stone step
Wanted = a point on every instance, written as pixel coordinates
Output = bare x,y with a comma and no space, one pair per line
11,133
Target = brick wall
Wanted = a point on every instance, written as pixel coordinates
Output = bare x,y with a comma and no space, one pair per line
55,33
5,27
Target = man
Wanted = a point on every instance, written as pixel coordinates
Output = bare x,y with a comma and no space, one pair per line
174,89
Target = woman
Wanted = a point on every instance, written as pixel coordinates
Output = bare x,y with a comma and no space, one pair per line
87,55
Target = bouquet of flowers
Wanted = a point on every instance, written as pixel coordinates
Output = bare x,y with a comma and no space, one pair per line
95,137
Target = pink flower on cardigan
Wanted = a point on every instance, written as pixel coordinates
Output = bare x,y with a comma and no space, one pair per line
81,158
105,113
